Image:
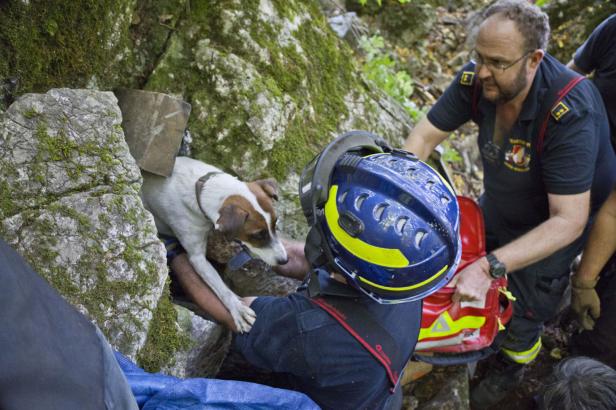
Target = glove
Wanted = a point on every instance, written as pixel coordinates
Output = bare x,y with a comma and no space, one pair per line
585,301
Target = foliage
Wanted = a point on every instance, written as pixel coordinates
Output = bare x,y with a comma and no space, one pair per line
450,154
572,21
380,2
380,68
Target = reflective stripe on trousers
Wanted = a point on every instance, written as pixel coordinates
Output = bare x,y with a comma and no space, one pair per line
526,356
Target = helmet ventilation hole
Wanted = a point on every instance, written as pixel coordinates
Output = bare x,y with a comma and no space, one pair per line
401,223
378,211
419,237
429,184
359,201
445,200
343,196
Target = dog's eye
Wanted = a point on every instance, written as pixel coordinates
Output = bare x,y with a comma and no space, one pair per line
260,235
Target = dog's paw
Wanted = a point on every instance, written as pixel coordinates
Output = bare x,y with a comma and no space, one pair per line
243,317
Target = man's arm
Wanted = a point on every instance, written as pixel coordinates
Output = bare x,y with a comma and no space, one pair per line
199,292
601,242
599,248
424,138
568,216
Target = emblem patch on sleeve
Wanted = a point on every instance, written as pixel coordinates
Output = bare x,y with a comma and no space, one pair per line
560,110
467,78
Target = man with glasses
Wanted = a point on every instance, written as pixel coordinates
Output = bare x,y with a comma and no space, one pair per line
537,196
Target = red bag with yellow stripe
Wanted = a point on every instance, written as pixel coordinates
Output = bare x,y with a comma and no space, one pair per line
467,326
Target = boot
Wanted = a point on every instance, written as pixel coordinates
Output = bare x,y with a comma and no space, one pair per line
497,383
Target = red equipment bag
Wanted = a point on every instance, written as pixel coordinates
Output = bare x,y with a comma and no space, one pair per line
467,326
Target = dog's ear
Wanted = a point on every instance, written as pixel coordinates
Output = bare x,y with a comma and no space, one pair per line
231,220
270,186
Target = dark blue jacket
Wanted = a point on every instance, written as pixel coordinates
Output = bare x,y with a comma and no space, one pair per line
294,336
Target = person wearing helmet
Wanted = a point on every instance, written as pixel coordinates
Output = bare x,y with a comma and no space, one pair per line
383,235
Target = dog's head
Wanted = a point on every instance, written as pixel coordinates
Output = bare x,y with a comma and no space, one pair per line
252,220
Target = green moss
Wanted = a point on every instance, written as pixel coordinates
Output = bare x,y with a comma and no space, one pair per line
7,206
319,75
30,113
59,44
163,337
287,9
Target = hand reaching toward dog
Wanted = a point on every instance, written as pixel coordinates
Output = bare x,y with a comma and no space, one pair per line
297,266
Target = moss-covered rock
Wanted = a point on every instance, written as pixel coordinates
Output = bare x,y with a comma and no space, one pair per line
71,207
270,84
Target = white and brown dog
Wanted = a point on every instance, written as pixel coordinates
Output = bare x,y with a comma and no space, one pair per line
197,198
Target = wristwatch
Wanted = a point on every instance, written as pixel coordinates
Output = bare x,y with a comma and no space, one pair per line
497,268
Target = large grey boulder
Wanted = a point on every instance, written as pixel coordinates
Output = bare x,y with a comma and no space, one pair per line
70,205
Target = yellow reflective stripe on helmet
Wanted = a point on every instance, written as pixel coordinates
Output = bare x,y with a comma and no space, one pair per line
402,289
444,325
389,258
526,356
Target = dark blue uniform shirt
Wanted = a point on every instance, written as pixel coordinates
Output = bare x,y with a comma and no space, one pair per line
576,155
294,336
598,54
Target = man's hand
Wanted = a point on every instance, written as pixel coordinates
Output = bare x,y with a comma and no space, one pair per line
585,301
297,267
473,282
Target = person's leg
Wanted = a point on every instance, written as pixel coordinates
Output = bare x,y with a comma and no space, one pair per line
117,394
52,356
538,290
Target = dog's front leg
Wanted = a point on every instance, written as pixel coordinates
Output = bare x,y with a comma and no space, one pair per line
243,316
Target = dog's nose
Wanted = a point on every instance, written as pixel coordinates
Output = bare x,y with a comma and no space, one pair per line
282,261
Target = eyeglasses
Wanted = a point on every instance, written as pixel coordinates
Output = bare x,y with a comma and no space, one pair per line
494,64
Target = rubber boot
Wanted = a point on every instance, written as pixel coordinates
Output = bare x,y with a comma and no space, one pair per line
498,382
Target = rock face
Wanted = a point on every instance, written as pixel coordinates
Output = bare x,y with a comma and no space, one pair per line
71,206
269,84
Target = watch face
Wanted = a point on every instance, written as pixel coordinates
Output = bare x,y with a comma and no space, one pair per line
497,268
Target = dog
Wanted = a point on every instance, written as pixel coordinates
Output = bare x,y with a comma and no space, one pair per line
199,197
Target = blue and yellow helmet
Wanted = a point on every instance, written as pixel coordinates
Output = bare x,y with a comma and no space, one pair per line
381,217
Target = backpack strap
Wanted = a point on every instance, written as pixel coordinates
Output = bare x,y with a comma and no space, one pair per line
357,320
552,103
476,93
469,78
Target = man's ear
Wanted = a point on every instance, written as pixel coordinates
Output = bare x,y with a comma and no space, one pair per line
231,220
270,186
536,57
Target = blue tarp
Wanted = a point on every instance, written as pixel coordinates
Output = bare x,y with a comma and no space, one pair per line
155,391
